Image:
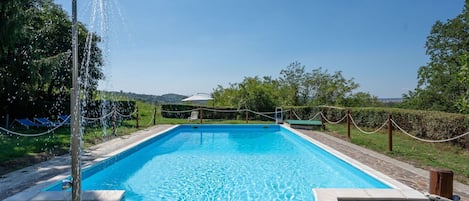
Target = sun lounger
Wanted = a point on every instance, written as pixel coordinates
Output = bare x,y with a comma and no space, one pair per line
65,119
194,116
45,122
27,123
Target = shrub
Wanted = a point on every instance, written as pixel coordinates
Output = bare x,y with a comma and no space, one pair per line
430,125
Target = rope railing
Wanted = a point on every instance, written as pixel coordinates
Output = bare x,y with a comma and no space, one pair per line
98,118
332,122
365,132
296,115
316,115
178,111
35,134
125,115
151,120
266,113
426,140
214,110
7,131
258,113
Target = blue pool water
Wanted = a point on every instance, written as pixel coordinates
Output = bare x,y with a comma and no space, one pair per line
224,162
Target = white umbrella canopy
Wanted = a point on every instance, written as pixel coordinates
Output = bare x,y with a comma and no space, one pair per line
200,97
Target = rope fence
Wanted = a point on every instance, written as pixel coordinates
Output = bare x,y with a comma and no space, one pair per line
64,122
365,132
332,122
425,140
390,122
35,134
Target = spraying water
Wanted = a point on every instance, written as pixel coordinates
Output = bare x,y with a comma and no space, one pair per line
99,33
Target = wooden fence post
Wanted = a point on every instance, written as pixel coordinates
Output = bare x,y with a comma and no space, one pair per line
154,116
323,121
200,114
114,113
348,124
389,132
137,125
247,117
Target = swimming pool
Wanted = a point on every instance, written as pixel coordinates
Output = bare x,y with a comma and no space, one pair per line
224,162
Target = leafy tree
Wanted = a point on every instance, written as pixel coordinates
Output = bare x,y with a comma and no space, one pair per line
463,78
253,93
292,80
36,60
13,16
361,99
226,96
438,86
328,89
294,87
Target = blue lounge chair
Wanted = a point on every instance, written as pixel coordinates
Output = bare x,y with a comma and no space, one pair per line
27,123
65,119
45,122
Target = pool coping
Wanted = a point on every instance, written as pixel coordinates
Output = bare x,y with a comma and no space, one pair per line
108,195
401,188
333,194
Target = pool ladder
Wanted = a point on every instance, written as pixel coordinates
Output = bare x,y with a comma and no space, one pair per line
278,115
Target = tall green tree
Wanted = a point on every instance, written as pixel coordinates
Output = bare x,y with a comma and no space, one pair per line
438,84
295,87
463,78
292,80
252,93
36,60
325,88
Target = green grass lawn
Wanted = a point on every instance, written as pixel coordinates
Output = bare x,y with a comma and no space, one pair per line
420,154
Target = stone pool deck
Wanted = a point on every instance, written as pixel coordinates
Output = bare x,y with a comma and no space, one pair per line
405,173
26,183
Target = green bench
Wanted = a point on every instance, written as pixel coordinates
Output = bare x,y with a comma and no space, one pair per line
304,124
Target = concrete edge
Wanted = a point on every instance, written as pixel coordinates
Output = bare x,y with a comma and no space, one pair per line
97,195
332,194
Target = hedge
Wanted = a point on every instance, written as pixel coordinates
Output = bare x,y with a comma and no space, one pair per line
430,125
170,111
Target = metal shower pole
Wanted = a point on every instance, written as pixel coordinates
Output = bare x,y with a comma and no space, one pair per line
75,111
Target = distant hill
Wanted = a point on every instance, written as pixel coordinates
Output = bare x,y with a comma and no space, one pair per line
165,98
390,100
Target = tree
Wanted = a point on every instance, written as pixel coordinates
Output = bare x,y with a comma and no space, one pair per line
291,80
253,93
438,86
324,88
463,78
361,99
295,87
36,57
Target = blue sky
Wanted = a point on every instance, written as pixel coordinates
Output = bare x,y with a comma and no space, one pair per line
191,46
